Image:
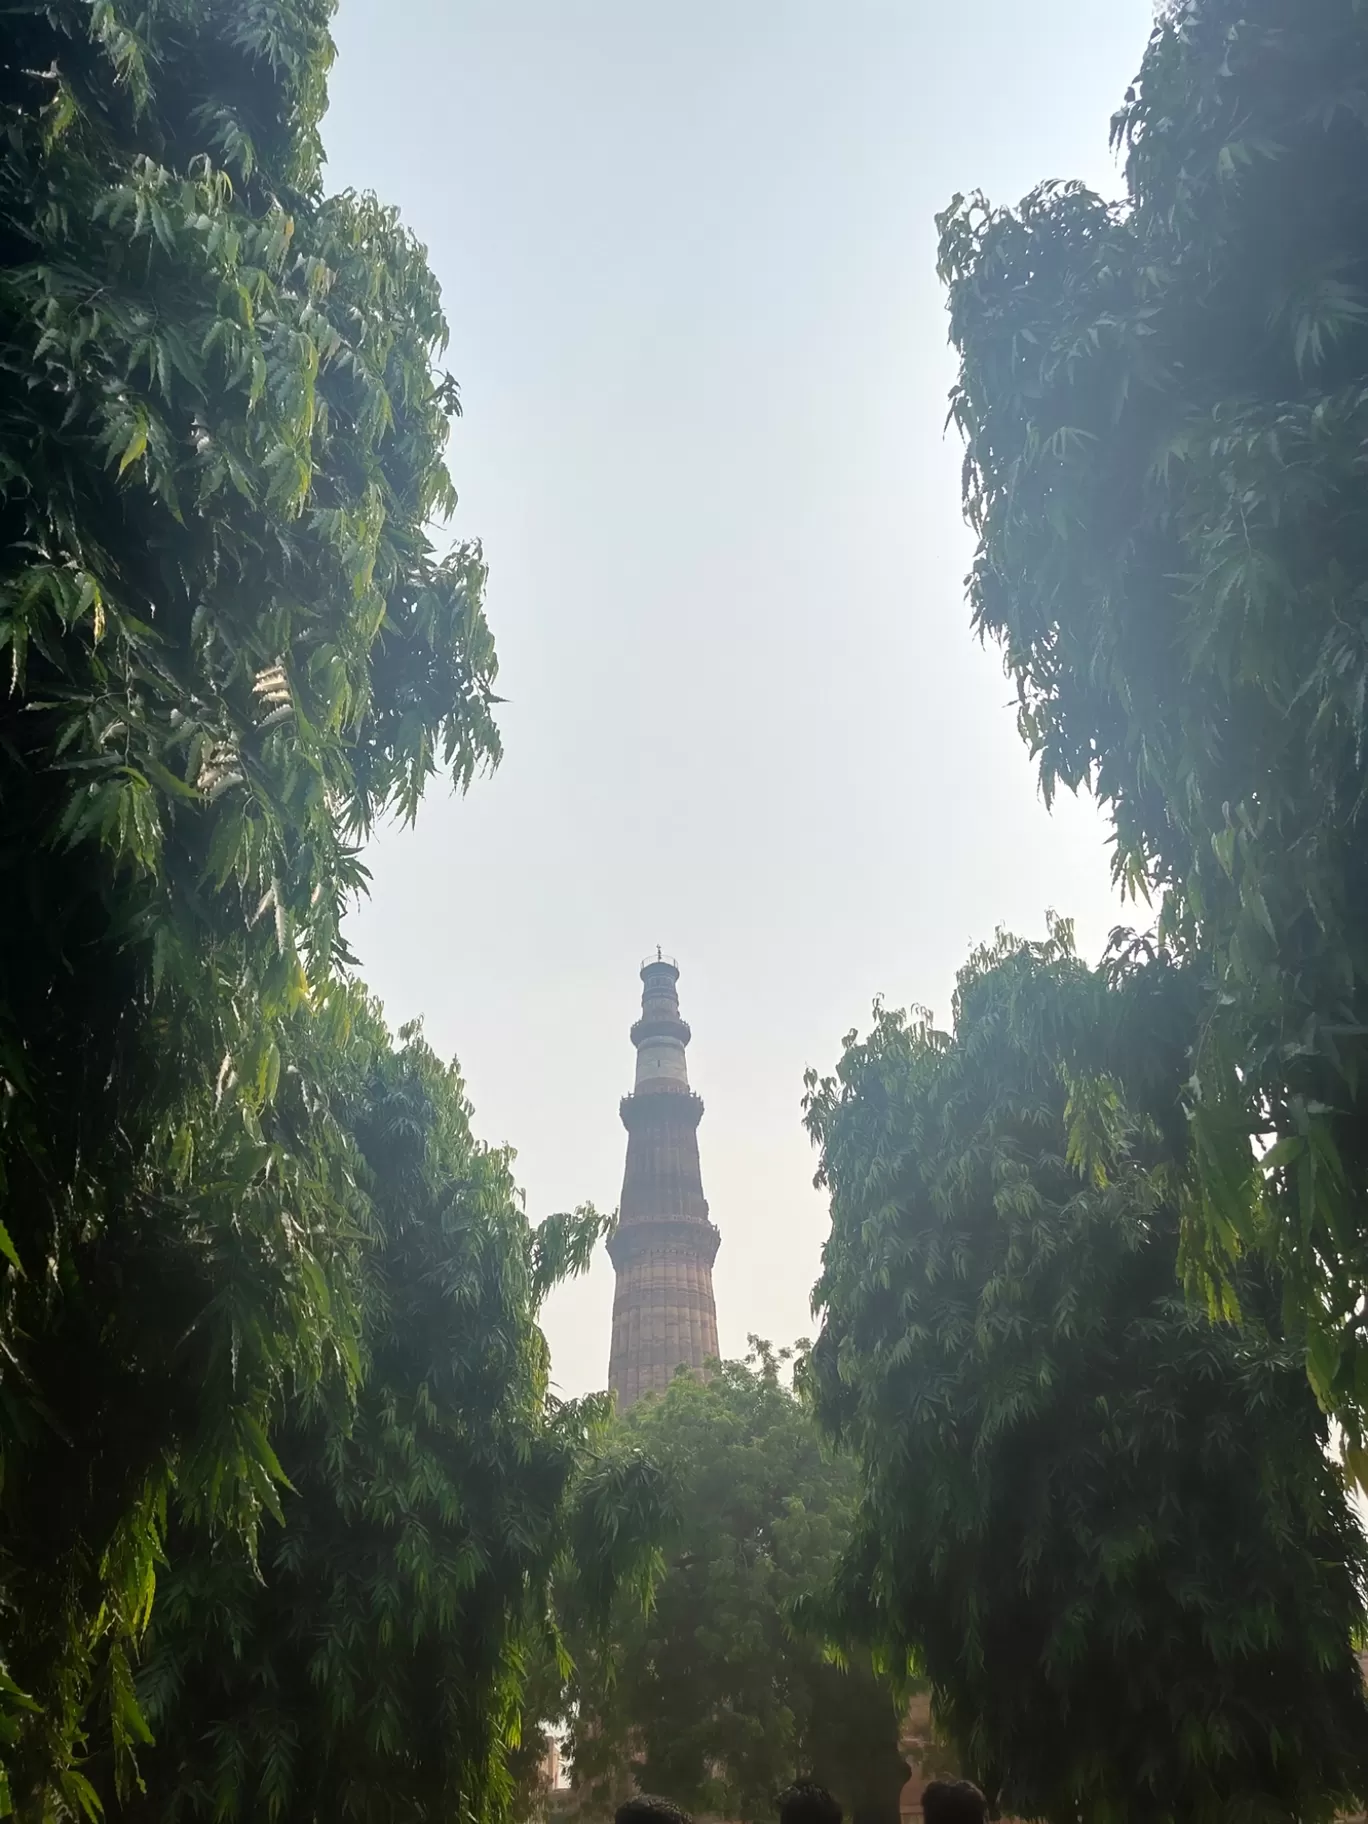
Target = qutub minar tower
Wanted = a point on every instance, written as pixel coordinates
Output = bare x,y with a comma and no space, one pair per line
664,1246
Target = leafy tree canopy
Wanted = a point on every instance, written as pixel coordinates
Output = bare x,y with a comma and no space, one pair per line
713,1695
1104,1527
1165,405
229,646
370,1663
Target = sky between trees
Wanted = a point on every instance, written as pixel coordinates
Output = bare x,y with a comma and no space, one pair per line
688,259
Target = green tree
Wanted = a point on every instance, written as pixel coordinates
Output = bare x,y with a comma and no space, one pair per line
229,647
370,1663
1105,1528
712,1695
1165,405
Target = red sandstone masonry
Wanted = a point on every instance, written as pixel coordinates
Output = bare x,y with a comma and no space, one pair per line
663,1310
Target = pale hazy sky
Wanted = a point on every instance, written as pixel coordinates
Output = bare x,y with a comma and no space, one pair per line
688,259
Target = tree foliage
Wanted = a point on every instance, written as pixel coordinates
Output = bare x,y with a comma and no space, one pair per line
1165,405
713,1695
229,646
1106,1528
370,1664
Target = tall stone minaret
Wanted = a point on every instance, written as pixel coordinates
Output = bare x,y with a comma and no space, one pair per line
664,1247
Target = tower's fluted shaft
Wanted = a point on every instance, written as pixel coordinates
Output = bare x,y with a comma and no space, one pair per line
664,1247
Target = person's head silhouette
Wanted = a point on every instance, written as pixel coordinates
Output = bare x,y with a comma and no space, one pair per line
953,1802
644,1808
805,1802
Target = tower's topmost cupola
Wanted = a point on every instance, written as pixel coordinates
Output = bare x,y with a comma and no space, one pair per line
660,1035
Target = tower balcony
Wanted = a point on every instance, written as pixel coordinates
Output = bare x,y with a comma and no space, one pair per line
661,1026
664,1234
665,1104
